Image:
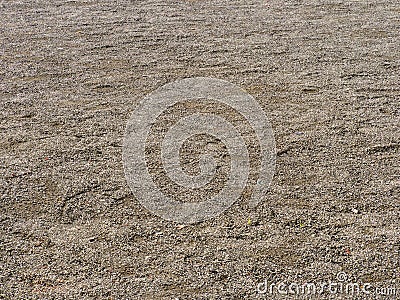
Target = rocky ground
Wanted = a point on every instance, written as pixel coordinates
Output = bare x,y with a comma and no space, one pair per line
326,74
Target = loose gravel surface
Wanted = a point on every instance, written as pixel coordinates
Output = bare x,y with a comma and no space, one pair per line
325,72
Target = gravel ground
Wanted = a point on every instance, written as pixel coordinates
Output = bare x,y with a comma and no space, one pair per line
326,74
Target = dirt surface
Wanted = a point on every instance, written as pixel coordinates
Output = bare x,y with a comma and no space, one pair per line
326,74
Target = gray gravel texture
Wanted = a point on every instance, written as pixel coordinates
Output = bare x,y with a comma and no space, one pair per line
325,72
